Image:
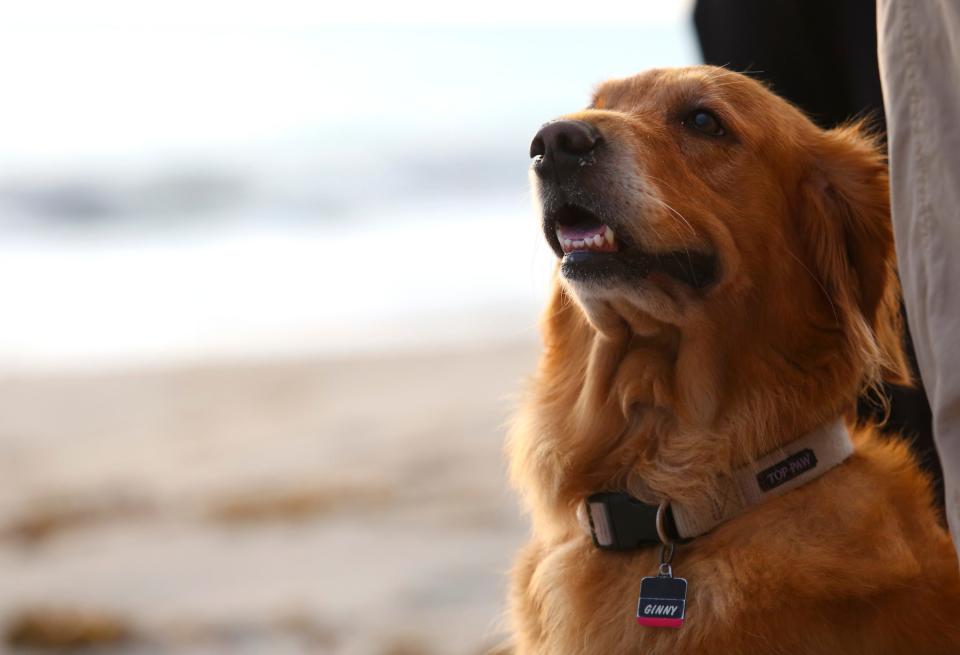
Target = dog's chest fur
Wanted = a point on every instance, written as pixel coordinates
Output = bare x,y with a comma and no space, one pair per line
811,572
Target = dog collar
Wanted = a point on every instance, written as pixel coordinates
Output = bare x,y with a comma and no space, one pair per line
618,521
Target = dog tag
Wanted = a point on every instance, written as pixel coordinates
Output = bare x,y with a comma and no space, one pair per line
663,599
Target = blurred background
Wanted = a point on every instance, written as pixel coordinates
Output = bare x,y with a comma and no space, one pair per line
269,282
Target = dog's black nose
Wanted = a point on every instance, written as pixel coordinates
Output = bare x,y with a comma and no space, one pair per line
559,147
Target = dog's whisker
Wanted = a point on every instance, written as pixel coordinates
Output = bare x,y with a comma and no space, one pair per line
833,308
673,211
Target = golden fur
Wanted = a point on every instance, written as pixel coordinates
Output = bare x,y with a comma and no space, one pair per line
661,390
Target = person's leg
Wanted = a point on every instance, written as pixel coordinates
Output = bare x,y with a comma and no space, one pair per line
919,49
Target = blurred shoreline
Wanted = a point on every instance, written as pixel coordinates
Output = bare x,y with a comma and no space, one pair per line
207,508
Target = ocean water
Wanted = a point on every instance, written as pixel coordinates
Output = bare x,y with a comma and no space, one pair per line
418,277
283,190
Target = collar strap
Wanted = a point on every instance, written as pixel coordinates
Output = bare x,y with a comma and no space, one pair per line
618,521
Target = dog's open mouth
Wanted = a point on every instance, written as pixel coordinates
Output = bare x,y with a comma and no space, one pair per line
591,250
578,230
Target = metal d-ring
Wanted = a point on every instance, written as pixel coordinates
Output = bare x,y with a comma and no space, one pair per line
661,524
667,546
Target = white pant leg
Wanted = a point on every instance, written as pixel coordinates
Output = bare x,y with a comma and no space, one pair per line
919,50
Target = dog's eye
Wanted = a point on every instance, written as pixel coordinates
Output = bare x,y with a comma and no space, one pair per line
705,122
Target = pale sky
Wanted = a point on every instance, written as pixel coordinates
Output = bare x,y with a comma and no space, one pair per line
119,79
261,14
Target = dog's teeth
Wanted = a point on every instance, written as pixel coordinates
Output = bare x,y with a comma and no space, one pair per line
598,240
608,234
567,244
578,244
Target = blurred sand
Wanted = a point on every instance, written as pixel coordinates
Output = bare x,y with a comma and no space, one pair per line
348,507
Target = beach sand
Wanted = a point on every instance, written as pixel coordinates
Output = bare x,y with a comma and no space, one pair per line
344,506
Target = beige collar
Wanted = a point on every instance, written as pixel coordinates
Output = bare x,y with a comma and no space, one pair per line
613,526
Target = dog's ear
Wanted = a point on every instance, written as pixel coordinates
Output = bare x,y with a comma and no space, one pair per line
849,227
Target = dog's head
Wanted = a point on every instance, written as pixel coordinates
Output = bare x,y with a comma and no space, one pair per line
695,208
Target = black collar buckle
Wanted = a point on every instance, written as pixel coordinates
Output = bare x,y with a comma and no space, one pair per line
618,521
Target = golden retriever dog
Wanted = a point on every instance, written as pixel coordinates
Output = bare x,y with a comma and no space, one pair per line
726,289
